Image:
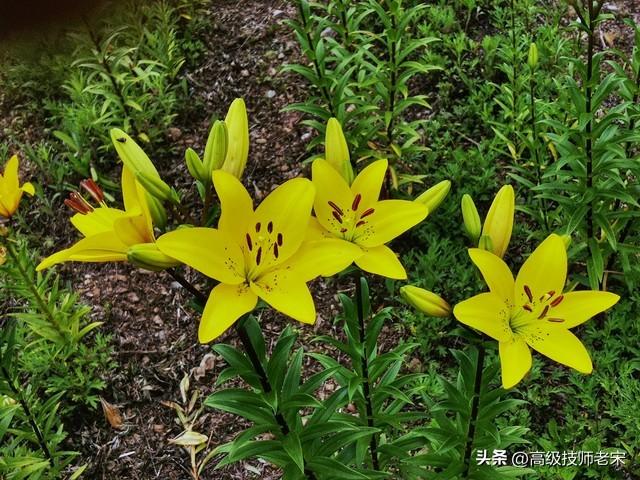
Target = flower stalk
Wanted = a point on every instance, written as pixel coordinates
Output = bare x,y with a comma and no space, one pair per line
248,347
475,405
366,385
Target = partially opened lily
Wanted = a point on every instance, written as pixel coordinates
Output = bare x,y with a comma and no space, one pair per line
10,189
355,214
257,254
108,233
532,311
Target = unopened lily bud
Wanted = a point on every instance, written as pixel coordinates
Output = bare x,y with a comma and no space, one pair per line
155,187
485,243
471,218
566,239
337,150
499,222
195,166
434,196
532,59
215,151
136,160
425,301
237,125
157,211
149,257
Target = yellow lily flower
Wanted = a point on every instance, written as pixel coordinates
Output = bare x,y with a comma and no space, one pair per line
354,213
532,311
258,253
10,189
499,222
108,232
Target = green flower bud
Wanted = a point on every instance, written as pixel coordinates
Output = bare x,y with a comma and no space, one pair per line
196,167
157,211
156,187
471,218
425,301
532,60
215,151
337,150
149,257
237,125
434,196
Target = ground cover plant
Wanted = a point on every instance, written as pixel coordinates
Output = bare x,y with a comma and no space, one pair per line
320,240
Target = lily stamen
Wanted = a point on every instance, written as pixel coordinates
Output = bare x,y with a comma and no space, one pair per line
336,207
367,212
544,312
77,203
337,216
527,291
249,242
356,202
557,301
93,189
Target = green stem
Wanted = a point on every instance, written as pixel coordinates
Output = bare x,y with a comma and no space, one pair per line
104,61
514,47
475,404
534,147
589,127
312,55
250,350
208,198
28,280
366,385
31,419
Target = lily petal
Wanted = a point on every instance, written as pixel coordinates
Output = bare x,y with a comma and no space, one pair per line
369,182
226,304
390,218
28,189
495,272
103,247
332,193
132,230
209,251
515,361
287,293
559,344
544,271
486,312
383,261
235,203
324,257
578,307
98,221
286,211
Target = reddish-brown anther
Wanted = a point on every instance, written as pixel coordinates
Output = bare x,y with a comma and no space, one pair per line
93,189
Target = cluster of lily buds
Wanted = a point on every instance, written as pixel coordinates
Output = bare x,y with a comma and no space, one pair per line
494,235
227,146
